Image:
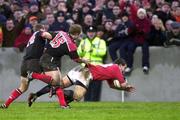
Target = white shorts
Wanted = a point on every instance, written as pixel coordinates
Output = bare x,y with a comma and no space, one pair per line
76,75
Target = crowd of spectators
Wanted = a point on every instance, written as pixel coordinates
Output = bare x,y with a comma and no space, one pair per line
126,24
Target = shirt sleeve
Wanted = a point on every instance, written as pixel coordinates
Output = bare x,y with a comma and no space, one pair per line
119,75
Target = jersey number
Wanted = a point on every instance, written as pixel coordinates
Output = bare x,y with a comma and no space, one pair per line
57,41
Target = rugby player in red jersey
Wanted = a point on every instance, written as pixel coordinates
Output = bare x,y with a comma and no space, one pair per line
81,76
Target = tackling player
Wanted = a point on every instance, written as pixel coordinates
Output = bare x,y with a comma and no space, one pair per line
62,44
34,50
80,77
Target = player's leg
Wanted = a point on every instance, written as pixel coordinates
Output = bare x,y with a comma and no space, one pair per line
61,98
33,96
16,92
79,92
68,94
51,68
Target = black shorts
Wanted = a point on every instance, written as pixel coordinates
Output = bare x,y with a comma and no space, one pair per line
30,65
49,63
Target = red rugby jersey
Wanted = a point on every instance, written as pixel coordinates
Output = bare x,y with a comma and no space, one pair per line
107,72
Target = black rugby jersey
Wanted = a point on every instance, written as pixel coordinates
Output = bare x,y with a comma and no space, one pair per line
62,44
35,46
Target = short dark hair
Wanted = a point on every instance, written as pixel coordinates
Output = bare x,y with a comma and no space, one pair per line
120,61
74,29
38,27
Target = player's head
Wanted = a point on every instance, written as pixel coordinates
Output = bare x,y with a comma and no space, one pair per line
75,31
39,27
121,62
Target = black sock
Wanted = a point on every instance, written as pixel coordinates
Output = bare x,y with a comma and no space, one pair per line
44,90
68,96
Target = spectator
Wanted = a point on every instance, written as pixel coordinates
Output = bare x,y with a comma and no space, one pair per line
116,12
157,34
164,13
174,5
92,48
142,29
87,9
47,10
60,23
5,9
125,35
173,37
108,11
168,25
62,7
33,20
75,16
108,32
50,18
88,21
177,14
22,40
11,31
18,14
34,10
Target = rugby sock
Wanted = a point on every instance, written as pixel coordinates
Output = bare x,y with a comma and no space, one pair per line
68,94
43,91
14,94
61,98
42,77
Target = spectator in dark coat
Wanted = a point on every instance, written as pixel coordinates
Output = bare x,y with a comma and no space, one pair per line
60,23
11,31
173,37
157,35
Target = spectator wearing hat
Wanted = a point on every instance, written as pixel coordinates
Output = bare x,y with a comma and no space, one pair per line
33,20
34,10
22,40
173,37
93,48
60,23
142,29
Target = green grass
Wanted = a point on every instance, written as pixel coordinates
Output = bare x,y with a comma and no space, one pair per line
93,111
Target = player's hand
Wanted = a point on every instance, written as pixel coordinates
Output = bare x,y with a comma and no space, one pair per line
129,88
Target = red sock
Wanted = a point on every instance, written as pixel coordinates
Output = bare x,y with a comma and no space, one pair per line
14,94
60,94
42,77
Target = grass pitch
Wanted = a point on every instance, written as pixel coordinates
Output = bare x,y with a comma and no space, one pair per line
93,111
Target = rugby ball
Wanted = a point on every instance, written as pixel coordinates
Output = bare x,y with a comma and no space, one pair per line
116,83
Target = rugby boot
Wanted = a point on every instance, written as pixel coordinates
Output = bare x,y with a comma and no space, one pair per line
32,97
